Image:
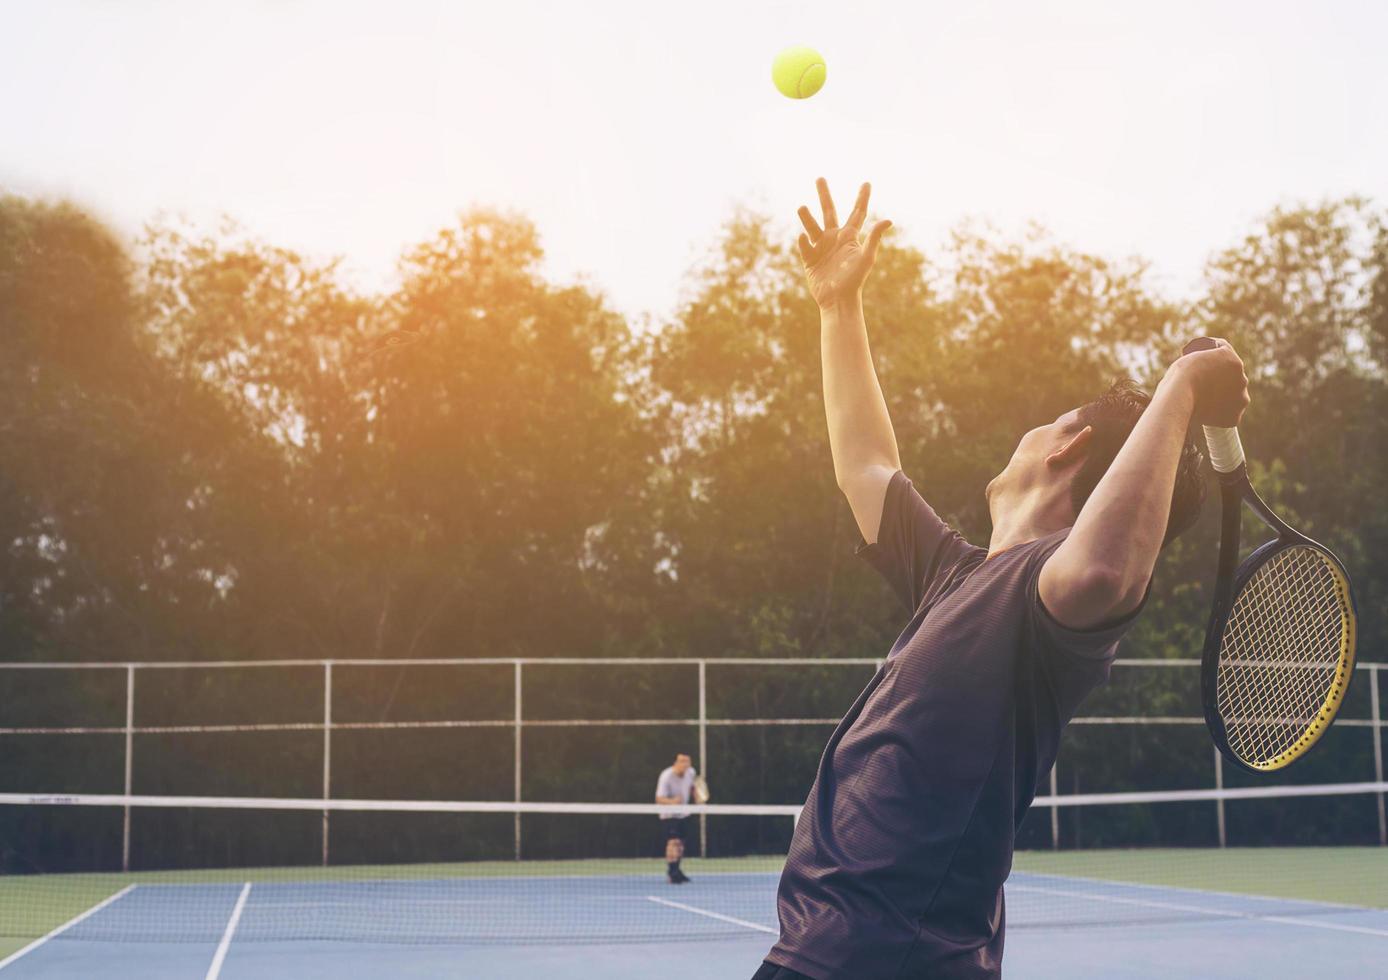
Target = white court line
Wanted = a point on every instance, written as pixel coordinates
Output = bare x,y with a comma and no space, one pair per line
215,969
65,926
1245,896
712,915
1311,923
1202,909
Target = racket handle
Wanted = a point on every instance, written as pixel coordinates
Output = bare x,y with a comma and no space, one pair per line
1226,450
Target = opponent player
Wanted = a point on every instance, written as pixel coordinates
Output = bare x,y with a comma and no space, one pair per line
897,864
672,789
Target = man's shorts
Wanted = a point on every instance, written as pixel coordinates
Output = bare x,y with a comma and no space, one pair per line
674,829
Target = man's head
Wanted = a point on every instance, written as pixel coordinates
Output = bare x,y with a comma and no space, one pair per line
1057,466
682,763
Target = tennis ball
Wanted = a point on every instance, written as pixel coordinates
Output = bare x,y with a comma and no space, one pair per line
798,72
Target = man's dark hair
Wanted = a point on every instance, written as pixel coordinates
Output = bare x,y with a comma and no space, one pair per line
1113,416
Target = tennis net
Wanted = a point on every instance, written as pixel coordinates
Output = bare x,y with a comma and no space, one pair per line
507,873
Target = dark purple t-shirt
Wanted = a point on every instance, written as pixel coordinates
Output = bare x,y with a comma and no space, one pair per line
897,863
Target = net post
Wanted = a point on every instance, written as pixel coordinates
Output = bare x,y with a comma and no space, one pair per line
703,750
1055,811
1219,804
1377,730
129,760
327,747
517,775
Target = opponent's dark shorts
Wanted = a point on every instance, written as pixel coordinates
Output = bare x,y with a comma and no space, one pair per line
673,829
770,971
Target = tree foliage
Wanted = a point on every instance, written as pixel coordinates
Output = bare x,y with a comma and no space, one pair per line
195,463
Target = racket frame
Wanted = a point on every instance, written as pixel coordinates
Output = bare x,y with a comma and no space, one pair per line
1232,576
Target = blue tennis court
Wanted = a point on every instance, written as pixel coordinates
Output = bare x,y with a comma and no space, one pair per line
615,926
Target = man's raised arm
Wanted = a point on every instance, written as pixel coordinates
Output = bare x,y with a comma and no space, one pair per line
1100,572
860,431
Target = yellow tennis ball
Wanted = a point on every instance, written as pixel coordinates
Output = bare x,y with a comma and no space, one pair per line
798,72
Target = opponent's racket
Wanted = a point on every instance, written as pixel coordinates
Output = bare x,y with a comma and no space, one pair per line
1279,651
700,790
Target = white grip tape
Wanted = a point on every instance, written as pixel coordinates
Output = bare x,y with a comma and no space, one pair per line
1226,451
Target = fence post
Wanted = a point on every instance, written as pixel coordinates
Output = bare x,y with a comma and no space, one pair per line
518,756
703,750
1055,809
1219,804
1377,730
129,760
327,747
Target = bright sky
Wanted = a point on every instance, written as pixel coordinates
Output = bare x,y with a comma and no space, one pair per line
629,131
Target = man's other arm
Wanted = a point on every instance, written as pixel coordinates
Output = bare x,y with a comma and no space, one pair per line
861,438
1100,572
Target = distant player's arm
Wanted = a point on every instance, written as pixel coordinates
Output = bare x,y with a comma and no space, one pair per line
663,787
861,438
1101,571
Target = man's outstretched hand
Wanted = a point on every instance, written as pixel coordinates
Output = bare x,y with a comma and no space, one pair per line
836,263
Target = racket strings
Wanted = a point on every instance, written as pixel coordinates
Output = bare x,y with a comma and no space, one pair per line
1281,655
1282,603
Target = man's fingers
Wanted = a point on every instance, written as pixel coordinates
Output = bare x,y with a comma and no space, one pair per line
858,215
826,204
874,237
811,225
806,249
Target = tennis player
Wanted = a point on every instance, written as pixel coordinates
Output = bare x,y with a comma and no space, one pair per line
672,789
897,864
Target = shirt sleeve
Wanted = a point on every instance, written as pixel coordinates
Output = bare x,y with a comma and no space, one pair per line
663,787
1097,643
913,544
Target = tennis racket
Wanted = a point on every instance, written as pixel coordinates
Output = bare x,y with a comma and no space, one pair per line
1279,650
700,790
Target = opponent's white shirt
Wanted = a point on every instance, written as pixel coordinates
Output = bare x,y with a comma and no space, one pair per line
677,786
